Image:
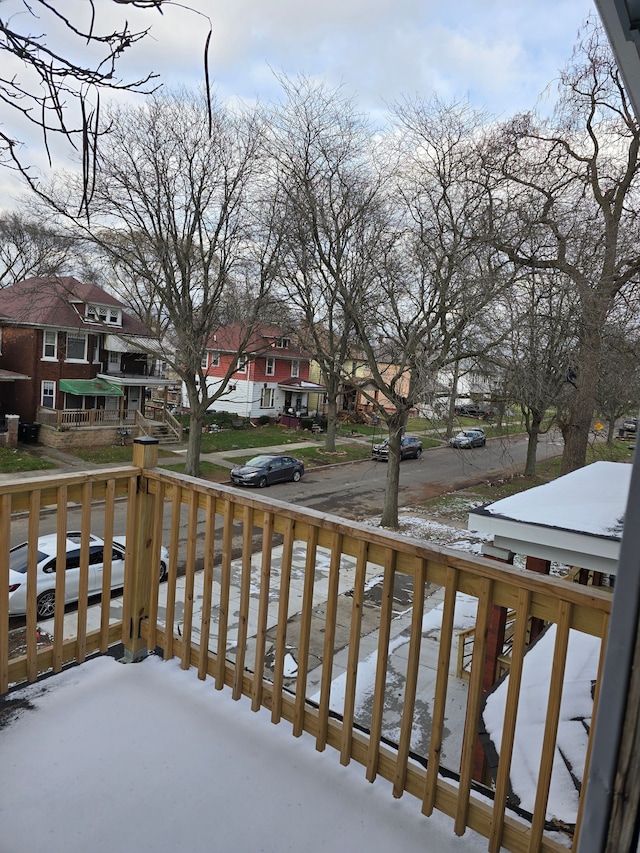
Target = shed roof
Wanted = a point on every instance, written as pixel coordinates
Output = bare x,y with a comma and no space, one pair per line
576,519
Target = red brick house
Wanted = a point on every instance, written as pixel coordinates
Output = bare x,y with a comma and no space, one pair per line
271,377
76,355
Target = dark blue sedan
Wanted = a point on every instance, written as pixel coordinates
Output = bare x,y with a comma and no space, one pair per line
266,469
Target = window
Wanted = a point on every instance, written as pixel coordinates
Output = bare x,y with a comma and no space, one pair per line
102,314
295,368
48,395
114,360
266,398
215,359
76,347
271,366
242,364
283,343
50,344
204,361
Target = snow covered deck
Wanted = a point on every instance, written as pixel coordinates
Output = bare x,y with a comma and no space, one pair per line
145,757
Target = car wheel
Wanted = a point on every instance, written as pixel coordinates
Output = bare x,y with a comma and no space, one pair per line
262,482
296,476
418,454
46,604
163,571
484,441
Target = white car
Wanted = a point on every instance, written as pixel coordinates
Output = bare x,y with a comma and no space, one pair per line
46,571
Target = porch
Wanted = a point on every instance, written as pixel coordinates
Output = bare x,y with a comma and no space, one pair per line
107,426
342,632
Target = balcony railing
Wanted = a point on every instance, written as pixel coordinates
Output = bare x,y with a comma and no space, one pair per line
299,611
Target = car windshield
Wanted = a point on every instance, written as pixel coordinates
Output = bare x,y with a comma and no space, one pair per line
259,462
18,558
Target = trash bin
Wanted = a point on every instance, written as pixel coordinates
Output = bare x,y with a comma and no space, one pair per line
28,433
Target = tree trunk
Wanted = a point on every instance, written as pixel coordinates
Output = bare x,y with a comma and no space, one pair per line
196,423
192,461
397,424
451,413
332,419
532,447
576,431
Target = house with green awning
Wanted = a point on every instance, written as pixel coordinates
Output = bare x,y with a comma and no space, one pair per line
88,364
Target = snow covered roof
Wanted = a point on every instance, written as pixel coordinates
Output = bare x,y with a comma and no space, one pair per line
576,709
576,519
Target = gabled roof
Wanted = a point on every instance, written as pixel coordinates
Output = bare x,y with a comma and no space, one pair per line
262,341
58,302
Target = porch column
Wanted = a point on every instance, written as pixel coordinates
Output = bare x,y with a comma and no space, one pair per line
494,646
139,570
542,567
12,430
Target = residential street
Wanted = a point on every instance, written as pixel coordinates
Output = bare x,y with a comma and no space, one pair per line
356,490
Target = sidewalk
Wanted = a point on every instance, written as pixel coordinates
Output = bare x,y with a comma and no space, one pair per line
66,461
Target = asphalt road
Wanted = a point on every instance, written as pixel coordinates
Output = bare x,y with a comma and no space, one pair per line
356,490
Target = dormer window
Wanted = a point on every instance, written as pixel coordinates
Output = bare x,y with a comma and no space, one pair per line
104,314
283,343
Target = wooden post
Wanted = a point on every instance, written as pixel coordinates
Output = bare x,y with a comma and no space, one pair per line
138,563
542,567
494,647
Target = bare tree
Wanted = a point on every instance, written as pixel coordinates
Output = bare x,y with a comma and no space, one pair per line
322,152
565,199
431,279
54,82
542,345
618,391
29,248
181,217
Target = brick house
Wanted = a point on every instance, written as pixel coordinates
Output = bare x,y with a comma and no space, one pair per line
271,376
77,356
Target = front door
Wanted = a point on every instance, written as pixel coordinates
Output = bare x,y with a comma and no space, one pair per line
134,399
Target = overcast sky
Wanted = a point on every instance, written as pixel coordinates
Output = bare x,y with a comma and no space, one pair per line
499,53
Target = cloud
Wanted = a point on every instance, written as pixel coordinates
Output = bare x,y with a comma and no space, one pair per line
501,54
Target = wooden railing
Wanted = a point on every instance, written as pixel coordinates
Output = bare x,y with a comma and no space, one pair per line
159,415
293,608
74,418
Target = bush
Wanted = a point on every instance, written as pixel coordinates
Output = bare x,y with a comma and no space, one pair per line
263,420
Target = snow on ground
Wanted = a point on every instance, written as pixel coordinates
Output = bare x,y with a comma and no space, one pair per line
146,757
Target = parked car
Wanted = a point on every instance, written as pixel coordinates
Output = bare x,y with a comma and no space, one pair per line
468,438
630,425
410,448
471,410
266,469
46,571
